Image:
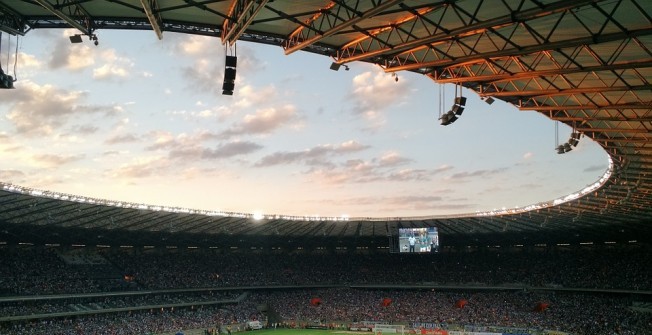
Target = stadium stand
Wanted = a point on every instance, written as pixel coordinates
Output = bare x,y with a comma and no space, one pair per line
577,290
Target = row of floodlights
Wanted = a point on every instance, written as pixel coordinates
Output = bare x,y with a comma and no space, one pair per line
453,114
570,144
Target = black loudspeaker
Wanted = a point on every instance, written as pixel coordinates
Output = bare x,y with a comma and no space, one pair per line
229,75
231,61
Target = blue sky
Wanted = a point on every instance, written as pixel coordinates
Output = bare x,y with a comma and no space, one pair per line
142,120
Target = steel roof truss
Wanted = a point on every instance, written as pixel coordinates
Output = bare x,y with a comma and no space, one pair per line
153,14
72,12
332,19
241,14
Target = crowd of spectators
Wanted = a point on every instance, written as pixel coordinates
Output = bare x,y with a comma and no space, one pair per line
97,303
134,323
38,271
577,313
574,312
538,274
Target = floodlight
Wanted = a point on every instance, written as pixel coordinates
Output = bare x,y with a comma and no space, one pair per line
488,100
460,101
77,38
335,66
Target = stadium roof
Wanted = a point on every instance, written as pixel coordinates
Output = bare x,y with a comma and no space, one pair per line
586,63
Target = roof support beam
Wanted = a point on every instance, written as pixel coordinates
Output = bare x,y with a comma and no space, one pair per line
496,78
241,13
597,118
78,11
584,107
477,57
151,9
613,130
467,30
582,90
333,21
11,22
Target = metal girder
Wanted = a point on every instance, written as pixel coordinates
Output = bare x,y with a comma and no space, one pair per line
151,9
555,92
582,107
447,76
614,130
481,56
11,22
241,13
596,118
333,18
350,52
74,11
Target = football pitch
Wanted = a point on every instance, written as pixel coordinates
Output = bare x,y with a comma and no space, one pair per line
280,331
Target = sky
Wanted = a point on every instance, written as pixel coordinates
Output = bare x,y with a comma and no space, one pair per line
144,120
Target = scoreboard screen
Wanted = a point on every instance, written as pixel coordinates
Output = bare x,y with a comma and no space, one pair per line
418,240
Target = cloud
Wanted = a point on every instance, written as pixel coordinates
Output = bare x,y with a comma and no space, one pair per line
126,138
407,203
51,160
263,122
312,156
359,171
115,68
528,155
73,57
141,167
478,173
393,159
40,110
249,96
410,174
382,87
27,61
222,151
85,129
164,140
11,175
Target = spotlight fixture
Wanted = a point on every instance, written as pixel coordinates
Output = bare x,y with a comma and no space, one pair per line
488,100
228,84
95,41
77,38
335,66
